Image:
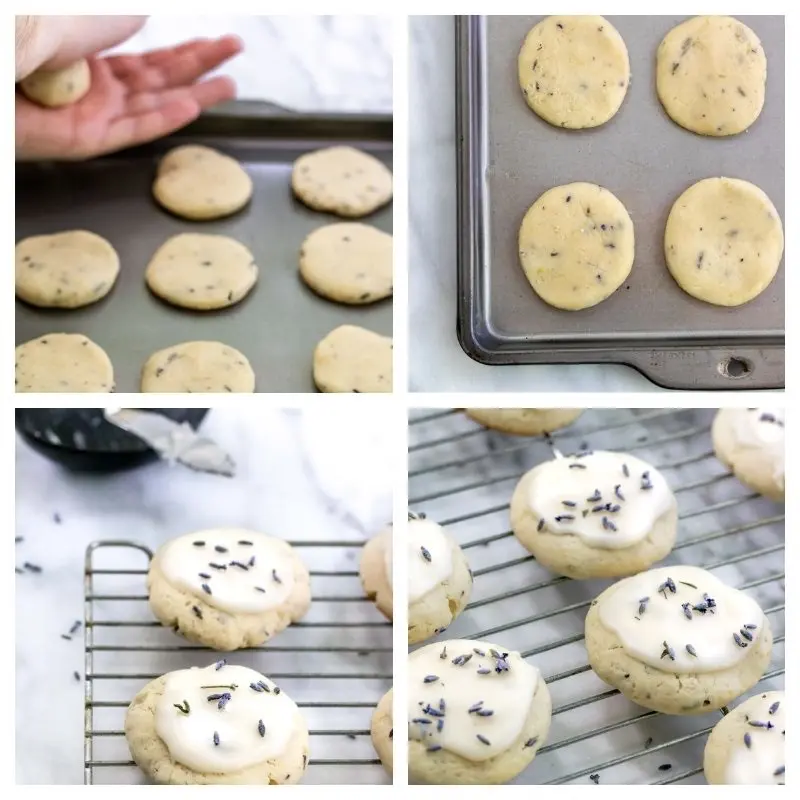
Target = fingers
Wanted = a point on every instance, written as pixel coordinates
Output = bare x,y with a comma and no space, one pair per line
206,94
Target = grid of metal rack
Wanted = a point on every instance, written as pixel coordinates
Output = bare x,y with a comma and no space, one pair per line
335,664
462,476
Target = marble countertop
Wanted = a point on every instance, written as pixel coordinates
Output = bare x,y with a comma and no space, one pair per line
319,475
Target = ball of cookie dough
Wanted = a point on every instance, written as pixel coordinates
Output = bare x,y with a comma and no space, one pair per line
59,87
222,724
750,442
64,270
342,180
348,262
228,588
748,745
382,731
678,640
723,241
477,714
201,271
353,359
711,75
574,71
576,245
200,183
62,362
524,421
595,515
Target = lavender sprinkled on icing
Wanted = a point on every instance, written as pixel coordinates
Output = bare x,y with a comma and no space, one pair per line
216,739
220,549
239,564
748,740
255,687
687,610
481,738
434,748
745,634
564,518
577,466
754,723
439,725
774,707
608,524
484,712
261,729
220,664
484,671
459,661
569,503
643,605
275,576
475,707
430,679
780,771
425,553
686,583
422,721
432,712
245,543
217,566
750,627
594,498
691,651
738,640
646,482
206,588
618,493
668,651
252,561
625,471
199,544
260,589
204,575
478,652
182,707
441,704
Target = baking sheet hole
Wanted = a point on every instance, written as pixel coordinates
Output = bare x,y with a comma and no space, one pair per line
734,367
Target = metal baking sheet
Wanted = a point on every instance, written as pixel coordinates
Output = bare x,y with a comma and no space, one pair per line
280,322
508,156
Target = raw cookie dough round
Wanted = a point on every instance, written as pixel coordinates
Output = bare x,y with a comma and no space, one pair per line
228,588
576,245
353,359
374,570
201,271
64,270
477,714
711,74
62,362
59,87
723,241
674,648
198,367
221,724
348,262
747,746
342,180
524,421
382,730
750,442
595,515
197,182
574,71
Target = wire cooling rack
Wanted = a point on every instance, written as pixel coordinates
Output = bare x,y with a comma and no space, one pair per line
463,476
335,664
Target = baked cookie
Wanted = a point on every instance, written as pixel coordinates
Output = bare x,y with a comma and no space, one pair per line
64,270
198,367
595,515
353,359
348,262
723,241
678,640
576,245
375,570
524,421
750,442
200,183
476,713
221,724
58,87
574,71
382,730
748,745
342,180
62,362
711,75
228,588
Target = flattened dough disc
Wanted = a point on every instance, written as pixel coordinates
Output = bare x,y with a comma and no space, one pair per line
353,359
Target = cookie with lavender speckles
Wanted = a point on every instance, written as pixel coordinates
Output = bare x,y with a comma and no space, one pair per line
353,359
382,731
524,421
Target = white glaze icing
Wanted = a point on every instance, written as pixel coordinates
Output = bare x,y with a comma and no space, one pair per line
430,557
643,626
190,737
761,760
456,706
762,429
258,570
592,497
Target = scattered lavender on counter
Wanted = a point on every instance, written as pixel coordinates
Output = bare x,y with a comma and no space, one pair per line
665,767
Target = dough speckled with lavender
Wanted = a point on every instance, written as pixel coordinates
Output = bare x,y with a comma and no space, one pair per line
58,87
353,359
382,731
576,245
524,421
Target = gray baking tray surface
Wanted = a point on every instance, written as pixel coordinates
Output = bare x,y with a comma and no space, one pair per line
508,156
280,322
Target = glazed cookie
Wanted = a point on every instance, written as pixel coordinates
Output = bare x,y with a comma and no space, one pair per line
201,271
711,75
228,588
353,359
750,442
198,367
348,262
342,180
524,421
59,87
64,270
222,724
574,71
476,713
576,245
382,730
748,745
62,362
595,515
723,241
375,570
200,183
678,640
